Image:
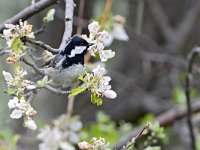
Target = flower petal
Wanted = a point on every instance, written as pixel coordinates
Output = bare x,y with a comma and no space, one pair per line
110,94
7,76
30,124
16,114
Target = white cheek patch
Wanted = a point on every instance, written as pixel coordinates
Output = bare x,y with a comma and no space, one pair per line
77,50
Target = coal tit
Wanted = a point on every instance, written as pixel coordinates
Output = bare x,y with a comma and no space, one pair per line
66,66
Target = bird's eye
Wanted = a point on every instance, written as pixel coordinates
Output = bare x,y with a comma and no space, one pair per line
82,44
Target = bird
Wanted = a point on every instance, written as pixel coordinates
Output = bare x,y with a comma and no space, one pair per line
68,64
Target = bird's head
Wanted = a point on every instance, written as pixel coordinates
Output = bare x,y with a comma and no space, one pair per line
79,41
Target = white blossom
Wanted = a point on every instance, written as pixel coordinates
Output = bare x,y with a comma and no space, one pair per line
99,71
7,76
94,27
66,146
76,126
30,124
16,114
104,35
10,26
84,145
110,94
106,54
30,87
13,103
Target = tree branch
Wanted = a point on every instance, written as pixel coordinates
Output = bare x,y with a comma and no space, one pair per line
28,12
69,11
194,53
55,90
42,45
40,71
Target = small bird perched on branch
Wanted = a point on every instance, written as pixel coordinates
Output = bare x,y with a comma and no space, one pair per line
66,66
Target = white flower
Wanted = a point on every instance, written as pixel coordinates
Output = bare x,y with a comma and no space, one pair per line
119,33
16,114
99,71
7,76
7,34
103,35
84,145
106,54
100,46
76,126
30,124
13,103
110,94
73,137
66,146
21,104
94,27
30,87
43,133
10,26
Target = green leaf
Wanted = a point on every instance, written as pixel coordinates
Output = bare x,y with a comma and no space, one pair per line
102,117
96,100
153,148
43,82
16,45
77,90
13,142
81,78
11,91
147,118
178,96
50,16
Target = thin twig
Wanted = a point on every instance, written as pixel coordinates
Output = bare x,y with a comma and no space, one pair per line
34,66
56,90
28,12
42,45
40,30
164,119
29,51
132,142
194,53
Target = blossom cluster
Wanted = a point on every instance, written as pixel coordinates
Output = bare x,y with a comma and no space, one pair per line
19,105
97,143
98,37
61,136
98,83
13,35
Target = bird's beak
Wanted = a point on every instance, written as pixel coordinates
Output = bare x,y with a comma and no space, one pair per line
90,44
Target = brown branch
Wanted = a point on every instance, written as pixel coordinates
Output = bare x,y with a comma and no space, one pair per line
164,119
28,12
106,12
80,16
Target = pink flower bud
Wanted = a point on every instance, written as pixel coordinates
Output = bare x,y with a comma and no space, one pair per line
110,94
